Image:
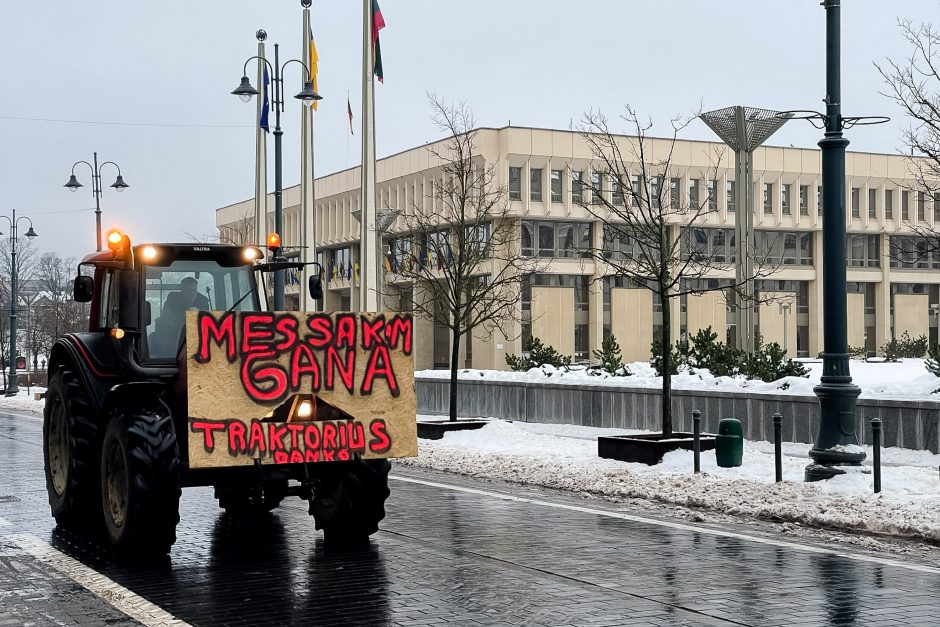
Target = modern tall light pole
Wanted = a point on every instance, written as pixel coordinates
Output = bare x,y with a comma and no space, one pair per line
307,95
12,387
836,443
118,184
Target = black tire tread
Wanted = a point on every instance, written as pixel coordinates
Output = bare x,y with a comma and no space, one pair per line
80,502
154,487
349,502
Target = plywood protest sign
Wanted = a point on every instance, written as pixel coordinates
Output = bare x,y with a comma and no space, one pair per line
288,387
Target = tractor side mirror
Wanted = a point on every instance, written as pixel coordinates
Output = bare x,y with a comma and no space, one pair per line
315,287
83,289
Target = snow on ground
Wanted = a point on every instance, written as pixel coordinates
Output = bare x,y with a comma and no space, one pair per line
24,401
903,380
565,457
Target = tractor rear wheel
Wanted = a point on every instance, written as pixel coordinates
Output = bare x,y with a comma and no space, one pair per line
70,451
140,486
349,500
246,502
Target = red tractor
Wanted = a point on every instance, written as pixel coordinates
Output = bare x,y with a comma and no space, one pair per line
116,419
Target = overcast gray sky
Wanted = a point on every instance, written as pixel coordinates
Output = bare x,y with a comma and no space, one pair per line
160,73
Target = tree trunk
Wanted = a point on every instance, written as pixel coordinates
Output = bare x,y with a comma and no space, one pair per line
667,365
454,351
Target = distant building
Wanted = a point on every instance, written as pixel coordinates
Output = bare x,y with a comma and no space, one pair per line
572,307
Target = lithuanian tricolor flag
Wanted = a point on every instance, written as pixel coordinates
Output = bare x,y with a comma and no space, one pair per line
378,23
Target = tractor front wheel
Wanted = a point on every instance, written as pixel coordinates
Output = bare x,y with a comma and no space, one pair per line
140,487
349,499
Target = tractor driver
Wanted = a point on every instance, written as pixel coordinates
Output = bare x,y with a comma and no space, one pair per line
169,326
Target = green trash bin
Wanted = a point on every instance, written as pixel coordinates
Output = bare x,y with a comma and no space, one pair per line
729,443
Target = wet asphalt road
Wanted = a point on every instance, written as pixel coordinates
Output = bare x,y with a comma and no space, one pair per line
452,550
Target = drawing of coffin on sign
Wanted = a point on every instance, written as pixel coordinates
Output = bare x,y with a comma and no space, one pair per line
303,408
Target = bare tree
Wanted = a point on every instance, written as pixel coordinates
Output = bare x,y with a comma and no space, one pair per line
240,232
461,248
914,84
648,225
26,260
55,312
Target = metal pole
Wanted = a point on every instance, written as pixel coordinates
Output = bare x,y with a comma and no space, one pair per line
836,392
278,209
876,452
96,190
12,387
696,440
368,279
778,448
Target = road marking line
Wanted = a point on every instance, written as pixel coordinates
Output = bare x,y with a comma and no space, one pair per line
681,526
112,593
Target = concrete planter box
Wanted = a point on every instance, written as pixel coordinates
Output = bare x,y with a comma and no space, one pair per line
648,448
436,429
908,424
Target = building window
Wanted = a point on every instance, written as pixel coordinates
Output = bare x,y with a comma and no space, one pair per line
784,247
873,203
862,251
515,183
616,193
547,238
905,205
635,190
768,197
535,184
785,199
655,200
675,197
729,188
921,207
556,185
693,194
856,202
804,200
712,195
576,194
597,185
709,244
911,251
936,206
889,204
819,199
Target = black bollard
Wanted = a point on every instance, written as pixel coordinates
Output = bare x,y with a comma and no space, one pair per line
876,452
778,447
696,440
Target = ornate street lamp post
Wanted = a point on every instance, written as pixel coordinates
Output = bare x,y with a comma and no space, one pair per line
836,445
12,387
118,184
307,95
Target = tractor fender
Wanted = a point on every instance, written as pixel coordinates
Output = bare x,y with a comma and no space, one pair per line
67,351
133,394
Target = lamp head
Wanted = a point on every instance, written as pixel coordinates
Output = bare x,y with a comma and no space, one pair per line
244,90
73,184
307,95
119,184
31,233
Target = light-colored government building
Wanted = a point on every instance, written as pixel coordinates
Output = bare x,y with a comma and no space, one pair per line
893,284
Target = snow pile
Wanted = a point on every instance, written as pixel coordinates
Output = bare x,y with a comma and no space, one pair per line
24,401
903,380
565,457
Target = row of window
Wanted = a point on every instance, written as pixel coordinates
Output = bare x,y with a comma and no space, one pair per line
770,247
547,238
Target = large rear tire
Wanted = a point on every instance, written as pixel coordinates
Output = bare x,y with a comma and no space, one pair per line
70,450
140,486
242,502
349,500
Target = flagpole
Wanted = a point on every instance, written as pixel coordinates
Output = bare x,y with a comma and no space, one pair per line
368,269
261,155
308,252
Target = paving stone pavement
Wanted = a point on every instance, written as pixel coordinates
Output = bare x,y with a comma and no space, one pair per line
443,556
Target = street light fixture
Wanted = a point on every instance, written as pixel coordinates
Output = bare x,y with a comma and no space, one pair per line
12,387
307,95
119,185
785,309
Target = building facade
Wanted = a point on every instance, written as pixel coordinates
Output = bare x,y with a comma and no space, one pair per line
893,274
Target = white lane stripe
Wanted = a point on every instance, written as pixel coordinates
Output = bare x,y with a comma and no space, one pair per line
114,594
662,523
